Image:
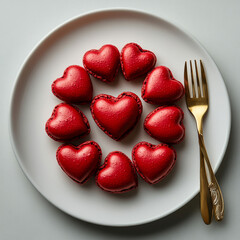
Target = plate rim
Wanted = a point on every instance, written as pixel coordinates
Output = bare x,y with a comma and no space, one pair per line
42,40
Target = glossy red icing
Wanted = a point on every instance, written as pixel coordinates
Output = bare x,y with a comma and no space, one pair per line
135,61
117,174
66,123
74,86
103,63
160,87
116,116
80,162
153,162
165,124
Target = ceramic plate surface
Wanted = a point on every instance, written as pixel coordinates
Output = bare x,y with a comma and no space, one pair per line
33,102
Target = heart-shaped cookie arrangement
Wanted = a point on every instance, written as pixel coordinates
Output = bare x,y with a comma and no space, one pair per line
116,117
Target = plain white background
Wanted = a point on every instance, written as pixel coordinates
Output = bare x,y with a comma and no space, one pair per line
25,214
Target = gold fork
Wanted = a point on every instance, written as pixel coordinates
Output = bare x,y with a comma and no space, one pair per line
210,193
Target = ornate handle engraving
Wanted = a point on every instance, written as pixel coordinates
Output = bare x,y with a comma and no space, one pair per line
216,200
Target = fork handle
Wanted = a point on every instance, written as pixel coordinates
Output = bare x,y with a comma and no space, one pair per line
216,193
205,194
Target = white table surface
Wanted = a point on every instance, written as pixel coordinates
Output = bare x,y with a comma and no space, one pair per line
25,214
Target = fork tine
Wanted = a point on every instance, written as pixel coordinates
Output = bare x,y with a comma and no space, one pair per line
193,85
204,81
186,81
198,82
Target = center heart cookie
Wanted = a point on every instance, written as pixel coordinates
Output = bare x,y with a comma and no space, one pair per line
153,162
80,162
165,124
117,174
103,63
66,123
160,87
135,61
116,116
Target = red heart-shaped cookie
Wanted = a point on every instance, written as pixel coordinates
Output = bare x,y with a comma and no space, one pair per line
74,86
153,162
116,116
103,63
160,87
165,124
135,61
80,162
66,123
117,174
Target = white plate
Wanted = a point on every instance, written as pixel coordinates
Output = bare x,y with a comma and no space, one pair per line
33,102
